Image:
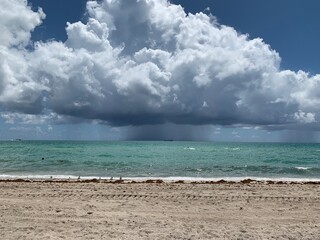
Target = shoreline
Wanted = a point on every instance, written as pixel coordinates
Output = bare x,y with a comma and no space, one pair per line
182,180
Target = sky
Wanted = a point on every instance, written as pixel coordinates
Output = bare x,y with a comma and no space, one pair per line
217,70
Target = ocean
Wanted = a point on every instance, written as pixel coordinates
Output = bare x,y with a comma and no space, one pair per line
161,160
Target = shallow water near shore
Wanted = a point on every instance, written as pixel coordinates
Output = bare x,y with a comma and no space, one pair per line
163,159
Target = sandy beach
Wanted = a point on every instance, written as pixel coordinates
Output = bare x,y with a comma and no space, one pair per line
101,210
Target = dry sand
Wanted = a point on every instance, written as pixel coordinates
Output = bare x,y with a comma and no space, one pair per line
73,210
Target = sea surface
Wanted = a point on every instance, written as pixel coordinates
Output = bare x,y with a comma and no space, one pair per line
163,159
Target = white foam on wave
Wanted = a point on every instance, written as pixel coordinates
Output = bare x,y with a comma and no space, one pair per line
302,168
232,148
189,148
62,177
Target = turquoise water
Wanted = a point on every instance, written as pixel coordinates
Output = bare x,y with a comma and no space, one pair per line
159,159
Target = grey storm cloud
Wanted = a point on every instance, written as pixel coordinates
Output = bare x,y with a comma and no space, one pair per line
147,62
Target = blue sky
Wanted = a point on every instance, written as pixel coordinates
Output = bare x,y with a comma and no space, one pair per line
290,28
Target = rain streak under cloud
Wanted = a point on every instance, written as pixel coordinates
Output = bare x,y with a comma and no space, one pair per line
148,65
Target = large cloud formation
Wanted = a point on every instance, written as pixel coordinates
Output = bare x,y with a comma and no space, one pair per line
145,62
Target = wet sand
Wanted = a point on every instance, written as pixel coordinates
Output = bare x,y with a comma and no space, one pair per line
102,210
